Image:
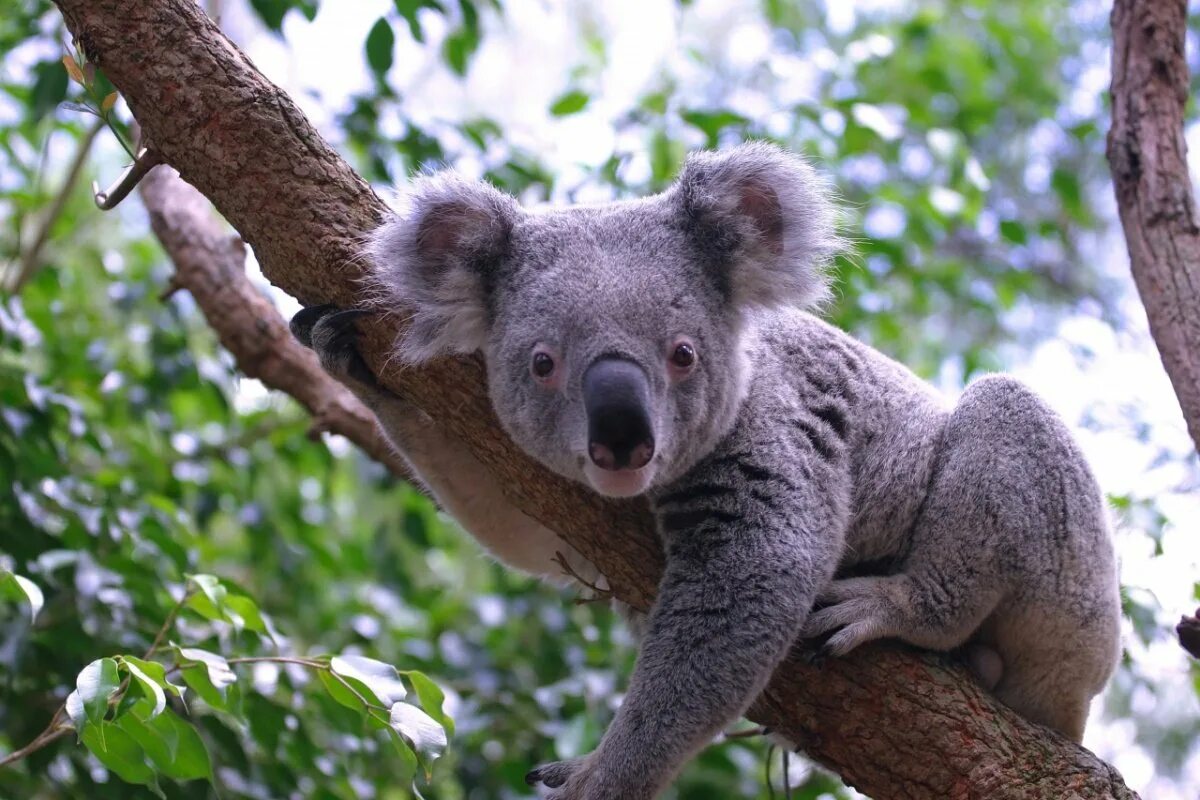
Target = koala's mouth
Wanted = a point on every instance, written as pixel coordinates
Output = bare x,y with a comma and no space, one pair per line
620,482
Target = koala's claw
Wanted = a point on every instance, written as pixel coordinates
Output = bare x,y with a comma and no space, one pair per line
332,334
855,611
302,324
554,774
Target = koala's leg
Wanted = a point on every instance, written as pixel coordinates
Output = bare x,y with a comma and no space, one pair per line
1012,533
455,478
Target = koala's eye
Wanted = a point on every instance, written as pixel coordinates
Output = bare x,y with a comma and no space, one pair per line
683,356
542,365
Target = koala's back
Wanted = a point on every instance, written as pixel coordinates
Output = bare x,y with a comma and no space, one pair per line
871,411
985,514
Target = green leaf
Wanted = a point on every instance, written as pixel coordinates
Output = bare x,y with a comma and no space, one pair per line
208,674
21,588
150,687
209,602
458,48
173,745
408,10
50,86
244,613
713,122
118,751
408,757
152,677
339,691
431,697
96,684
272,12
354,694
572,102
382,679
381,44
1013,231
426,736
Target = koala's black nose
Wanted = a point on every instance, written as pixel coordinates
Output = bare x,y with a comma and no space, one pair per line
616,395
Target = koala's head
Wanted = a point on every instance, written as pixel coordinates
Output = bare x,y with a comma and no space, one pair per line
613,333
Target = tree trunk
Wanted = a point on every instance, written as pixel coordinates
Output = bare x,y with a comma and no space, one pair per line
1147,153
891,722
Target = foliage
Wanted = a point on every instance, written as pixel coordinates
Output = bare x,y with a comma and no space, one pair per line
179,562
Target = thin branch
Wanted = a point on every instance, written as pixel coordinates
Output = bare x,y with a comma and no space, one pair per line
168,623
210,264
53,732
602,595
147,159
31,259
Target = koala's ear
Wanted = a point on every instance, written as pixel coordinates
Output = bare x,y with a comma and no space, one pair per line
763,221
438,259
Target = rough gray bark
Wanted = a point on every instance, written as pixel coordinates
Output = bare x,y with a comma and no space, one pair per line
1147,153
892,723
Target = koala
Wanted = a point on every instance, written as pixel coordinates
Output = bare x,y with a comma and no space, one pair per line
804,485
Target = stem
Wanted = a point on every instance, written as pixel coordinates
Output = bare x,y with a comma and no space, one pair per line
55,730
168,623
52,732
312,664
31,260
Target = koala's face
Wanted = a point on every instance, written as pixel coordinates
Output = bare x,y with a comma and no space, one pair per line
611,358
612,334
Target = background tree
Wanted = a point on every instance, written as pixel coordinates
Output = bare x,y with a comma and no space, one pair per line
137,456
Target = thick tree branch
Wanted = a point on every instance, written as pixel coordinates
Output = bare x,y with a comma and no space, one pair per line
1148,156
210,264
893,723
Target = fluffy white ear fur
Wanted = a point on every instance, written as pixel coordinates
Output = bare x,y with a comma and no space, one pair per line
767,220
435,257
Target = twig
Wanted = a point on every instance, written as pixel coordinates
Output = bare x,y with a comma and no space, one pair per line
31,259
168,623
53,732
601,594
147,159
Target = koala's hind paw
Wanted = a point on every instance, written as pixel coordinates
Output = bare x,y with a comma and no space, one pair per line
860,610
332,334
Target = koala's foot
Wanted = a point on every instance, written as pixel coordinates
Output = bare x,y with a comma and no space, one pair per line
860,610
332,334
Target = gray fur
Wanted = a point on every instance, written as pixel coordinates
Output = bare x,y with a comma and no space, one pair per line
790,461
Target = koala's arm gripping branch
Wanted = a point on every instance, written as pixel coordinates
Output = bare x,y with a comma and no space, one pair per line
889,722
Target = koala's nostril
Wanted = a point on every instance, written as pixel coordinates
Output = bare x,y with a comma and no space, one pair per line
641,455
616,395
602,457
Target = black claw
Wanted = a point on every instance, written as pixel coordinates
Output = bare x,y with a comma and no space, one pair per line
812,651
305,320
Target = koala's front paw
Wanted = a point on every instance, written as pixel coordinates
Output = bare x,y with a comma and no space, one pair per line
859,609
579,779
555,774
331,333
